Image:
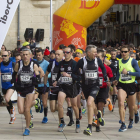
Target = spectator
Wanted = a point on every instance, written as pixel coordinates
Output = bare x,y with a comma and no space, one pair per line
110,42
116,42
17,57
3,48
32,44
62,47
52,55
46,55
27,42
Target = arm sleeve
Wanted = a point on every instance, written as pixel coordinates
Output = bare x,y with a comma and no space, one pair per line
136,67
75,76
79,65
118,75
59,74
102,68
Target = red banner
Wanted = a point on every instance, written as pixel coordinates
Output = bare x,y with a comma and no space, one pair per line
67,32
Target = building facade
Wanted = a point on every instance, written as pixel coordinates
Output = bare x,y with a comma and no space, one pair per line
33,14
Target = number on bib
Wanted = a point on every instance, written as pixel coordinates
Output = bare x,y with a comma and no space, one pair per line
125,77
25,78
6,77
66,80
91,75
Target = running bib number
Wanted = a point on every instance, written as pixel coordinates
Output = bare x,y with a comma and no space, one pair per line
125,77
54,76
66,79
25,78
6,77
42,80
91,75
100,81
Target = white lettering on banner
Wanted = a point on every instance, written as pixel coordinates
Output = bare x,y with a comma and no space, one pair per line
7,11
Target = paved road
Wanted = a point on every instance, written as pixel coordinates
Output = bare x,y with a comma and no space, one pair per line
49,131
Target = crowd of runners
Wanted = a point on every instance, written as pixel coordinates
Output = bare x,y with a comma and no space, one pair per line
95,77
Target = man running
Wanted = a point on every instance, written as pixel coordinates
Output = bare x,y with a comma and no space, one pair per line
24,71
43,88
104,87
125,81
90,83
67,88
54,69
6,67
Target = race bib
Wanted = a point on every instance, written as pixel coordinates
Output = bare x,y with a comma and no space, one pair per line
100,81
42,80
54,76
66,79
125,77
6,77
91,75
25,78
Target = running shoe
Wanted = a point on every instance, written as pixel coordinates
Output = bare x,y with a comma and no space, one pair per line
110,107
31,125
94,123
100,119
120,121
12,120
37,105
87,131
45,120
122,128
137,117
61,127
77,130
26,132
70,123
98,129
41,110
83,111
130,125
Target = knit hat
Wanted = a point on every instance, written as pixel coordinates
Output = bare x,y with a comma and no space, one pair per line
47,52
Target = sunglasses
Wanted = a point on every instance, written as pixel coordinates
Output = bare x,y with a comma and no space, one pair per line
124,51
66,52
4,55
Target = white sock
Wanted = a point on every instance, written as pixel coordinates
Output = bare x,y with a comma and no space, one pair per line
84,104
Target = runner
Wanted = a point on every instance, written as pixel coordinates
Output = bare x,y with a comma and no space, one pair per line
6,67
43,88
90,83
67,88
53,68
125,81
24,71
104,87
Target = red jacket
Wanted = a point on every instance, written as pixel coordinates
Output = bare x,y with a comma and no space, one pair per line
109,74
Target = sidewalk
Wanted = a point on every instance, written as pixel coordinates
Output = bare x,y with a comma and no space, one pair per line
49,131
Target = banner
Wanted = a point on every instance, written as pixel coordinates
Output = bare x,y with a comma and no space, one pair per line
7,11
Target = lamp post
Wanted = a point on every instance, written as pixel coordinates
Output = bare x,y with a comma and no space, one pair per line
51,24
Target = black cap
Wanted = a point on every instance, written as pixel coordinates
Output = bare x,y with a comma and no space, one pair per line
53,51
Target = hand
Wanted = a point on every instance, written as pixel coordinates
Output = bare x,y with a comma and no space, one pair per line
55,83
115,82
108,84
124,71
65,74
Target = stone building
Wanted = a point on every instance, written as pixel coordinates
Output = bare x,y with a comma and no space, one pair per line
33,14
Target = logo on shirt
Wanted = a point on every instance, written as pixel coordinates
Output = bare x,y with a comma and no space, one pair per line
69,68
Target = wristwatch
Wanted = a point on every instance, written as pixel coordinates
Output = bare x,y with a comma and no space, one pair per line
128,73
